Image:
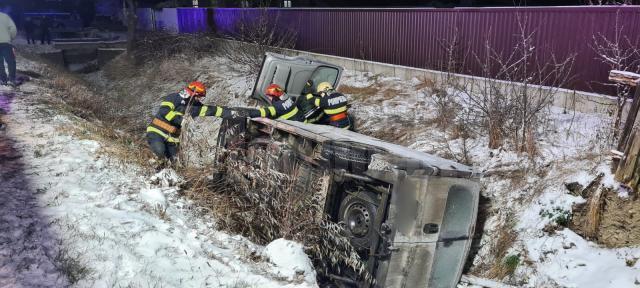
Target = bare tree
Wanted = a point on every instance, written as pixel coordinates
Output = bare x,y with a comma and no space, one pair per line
619,53
257,34
132,23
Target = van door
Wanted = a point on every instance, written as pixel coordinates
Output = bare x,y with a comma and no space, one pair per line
292,73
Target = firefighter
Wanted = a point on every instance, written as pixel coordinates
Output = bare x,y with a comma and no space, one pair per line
164,131
310,112
282,106
333,105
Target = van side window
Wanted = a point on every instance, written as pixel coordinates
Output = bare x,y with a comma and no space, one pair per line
325,74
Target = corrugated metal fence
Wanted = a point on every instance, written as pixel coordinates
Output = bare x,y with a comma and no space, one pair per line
417,37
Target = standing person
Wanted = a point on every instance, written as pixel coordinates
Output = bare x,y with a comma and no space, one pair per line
8,32
282,106
164,131
45,30
30,30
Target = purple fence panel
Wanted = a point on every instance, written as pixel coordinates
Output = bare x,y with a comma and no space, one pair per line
418,37
192,20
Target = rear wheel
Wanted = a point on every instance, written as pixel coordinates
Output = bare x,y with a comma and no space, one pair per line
358,213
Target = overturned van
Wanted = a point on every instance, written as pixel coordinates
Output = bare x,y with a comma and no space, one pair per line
410,215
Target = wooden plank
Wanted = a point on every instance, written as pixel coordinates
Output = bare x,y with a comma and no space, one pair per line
624,77
483,282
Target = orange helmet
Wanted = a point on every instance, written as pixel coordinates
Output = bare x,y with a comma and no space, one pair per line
274,90
197,89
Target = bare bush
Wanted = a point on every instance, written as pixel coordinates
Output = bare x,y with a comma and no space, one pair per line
446,105
619,53
151,46
256,35
509,102
261,203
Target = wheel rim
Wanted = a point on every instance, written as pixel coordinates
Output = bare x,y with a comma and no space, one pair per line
358,220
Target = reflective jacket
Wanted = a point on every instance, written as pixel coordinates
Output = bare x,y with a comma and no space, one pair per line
310,112
168,120
279,109
335,108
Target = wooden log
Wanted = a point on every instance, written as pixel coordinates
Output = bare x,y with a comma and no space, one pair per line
630,121
624,77
594,211
627,167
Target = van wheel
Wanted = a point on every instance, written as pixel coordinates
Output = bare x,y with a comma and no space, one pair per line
358,213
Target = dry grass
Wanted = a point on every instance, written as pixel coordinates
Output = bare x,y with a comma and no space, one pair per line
262,204
109,121
119,146
424,83
504,241
362,93
390,93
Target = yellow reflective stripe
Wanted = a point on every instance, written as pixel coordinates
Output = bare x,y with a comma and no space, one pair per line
309,96
219,111
290,114
317,102
263,113
172,114
203,111
335,111
272,110
168,104
164,135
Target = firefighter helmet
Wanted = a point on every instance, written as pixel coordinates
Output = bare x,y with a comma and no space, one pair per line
274,90
197,89
324,87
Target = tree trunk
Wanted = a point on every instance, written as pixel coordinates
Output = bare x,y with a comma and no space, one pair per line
132,23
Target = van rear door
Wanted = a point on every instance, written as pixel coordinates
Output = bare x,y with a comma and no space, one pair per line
292,73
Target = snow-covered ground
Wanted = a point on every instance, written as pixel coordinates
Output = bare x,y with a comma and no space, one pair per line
112,219
72,215
524,194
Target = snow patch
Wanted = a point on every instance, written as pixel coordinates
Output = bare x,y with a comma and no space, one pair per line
154,197
290,260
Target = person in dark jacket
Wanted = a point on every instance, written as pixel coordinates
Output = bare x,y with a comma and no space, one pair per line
30,30
333,105
164,130
305,103
282,106
45,30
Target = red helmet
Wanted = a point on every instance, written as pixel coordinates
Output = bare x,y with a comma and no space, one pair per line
274,90
197,89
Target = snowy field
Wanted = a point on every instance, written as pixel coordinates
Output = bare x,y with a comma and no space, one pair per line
69,215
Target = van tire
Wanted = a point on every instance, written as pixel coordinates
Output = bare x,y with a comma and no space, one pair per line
358,213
